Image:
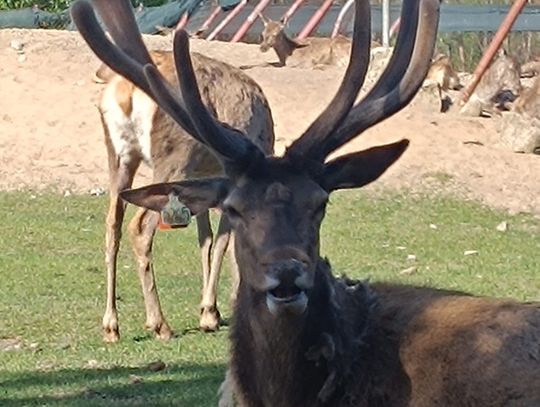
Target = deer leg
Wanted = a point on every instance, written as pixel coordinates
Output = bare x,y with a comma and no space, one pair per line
121,177
235,274
204,230
142,229
209,312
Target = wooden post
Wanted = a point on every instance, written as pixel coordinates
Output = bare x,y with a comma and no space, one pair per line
340,17
386,23
314,20
208,21
250,20
233,13
288,14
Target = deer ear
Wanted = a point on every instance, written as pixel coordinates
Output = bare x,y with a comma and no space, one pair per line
263,18
359,169
198,195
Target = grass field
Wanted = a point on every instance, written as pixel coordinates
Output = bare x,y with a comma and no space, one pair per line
52,290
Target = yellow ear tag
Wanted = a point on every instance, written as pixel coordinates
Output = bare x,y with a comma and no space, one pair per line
175,214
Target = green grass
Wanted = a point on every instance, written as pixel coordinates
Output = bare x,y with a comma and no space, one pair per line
52,290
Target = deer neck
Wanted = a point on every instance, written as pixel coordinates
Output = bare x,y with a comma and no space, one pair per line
284,47
300,360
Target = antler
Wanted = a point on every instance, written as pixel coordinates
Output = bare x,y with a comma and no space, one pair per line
395,88
351,83
130,58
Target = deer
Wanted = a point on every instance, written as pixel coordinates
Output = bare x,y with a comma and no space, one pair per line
300,335
138,131
314,52
499,86
442,73
528,102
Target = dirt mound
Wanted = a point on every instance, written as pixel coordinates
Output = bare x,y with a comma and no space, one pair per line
50,133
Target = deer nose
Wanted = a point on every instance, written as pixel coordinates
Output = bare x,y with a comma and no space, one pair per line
287,272
289,291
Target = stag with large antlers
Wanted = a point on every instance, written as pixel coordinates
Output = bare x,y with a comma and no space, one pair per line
136,131
302,337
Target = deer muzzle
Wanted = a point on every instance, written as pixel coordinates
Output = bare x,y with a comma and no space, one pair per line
291,281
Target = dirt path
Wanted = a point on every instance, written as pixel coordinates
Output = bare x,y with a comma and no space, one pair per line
50,133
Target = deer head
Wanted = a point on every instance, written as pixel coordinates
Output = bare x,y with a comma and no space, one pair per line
275,204
271,33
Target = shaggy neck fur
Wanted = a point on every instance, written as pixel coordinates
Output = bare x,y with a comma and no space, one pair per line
332,355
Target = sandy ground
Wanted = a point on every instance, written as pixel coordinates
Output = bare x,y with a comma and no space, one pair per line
51,137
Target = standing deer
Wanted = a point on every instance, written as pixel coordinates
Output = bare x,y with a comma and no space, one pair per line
136,130
302,337
314,52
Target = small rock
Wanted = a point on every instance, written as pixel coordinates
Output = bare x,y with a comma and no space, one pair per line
470,252
411,257
34,347
503,226
21,58
134,379
67,193
433,226
97,191
156,366
408,271
10,344
92,364
400,247
17,45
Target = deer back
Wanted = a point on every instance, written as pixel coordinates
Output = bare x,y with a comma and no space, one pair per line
229,94
463,350
528,101
502,74
316,51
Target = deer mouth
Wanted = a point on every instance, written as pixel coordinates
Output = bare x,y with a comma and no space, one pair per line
282,299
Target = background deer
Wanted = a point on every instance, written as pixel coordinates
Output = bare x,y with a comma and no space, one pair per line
313,52
302,337
136,131
442,73
499,85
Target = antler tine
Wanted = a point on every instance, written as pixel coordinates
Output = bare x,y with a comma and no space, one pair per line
375,108
130,59
403,49
120,21
348,90
229,142
128,62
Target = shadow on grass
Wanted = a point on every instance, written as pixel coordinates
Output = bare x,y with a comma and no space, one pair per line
178,385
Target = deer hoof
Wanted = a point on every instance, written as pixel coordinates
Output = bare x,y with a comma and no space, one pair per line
210,319
162,331
111,335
